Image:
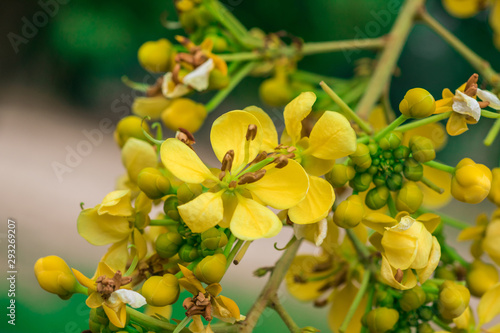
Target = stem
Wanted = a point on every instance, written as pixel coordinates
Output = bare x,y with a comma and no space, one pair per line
392,126
422,122
448,220
392,207
358,246
242,252
192,265
150,323
389,57
454,255
229,245
369,305
492,134
182,324
222,94
316,78
241,56
271,287
489,114
481,65
345,108
357,300
441,324
431,185
287,319
163,222
233,252
441,166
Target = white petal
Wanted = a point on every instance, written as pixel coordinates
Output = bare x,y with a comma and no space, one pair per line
488,96
130,297
405,224
178,90
198,78
322,231
467,105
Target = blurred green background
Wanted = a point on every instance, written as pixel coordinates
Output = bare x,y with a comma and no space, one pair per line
79,55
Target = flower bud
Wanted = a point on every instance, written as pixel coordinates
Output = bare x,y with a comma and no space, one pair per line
361,157
425,328
374,149
412,299
276,91
409,198
413,170
425,312
152,182
377,197
453,299
381,320
184,113
217,80
379,180
349,212
98,321
161,290
401,152
443,272
213,238
384,299
394,182
391,141
340,175
188,253
187,192
130,127
156,56
170,207
422,149
417,103
398,168
211,269
55,276
494,194
481,277
168,244
471,182
361,182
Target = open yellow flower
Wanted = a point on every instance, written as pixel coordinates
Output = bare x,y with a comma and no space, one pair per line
486,236
248,181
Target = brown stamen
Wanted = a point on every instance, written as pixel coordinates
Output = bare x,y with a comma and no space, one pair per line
233,184
155,89
483,104
262,156
251,177
399,275
281,161
320,303
184,57
106,286
175,74
251,132
291,149
472,80
198,305
227,161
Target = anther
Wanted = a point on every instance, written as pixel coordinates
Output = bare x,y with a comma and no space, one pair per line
155,89
227,161
399,275
251,177
251,132
471,81
281,161
291,149
483,104
184,57
262,156
185,136
233,184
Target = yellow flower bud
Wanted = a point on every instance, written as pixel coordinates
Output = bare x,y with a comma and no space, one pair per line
152,182
381,320
161,290
350,212
168,244
55,276
481,277
276,91
217,80
187,192
491,245
156,56
412,299
130,127
453,299
417,103
340,175
361,157
150,106
461,8
471,182
211,269
184,113
377,197
409,198
422,149
494,194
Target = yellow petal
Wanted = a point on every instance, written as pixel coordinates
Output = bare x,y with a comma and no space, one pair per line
281,188
341,302
102,229
316,166
203,212
387,274
270,136
471,233
316,204
432,199
116,203
230,306
183,162
435,132
296,111
424,245
83,280
303,266
456,124
95,300
379,221
462,8
117,255
137,155
189,276
214,289
430,221
489,305
117,316
150,106
464,320
378,118
229,133
332,137
400,248
252,221
376,240
491,243
434,257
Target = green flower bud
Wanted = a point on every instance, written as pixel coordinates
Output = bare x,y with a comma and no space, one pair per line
170,208
481,277
398,168
361,182
409,198
413,170
212,239
372,170
387,155
152,182
374,149
412,299
187,192
188,253
453,299
391,141
349,213
422,149
412,319
444,273
417,103
394,182
425,328
401,152
130,127
361,157
381,320
383,298
161,291
377,197
379,180
211,269
340,175
375,161
425,312
217,80
168,244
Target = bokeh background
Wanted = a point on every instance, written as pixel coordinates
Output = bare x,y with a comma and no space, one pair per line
64,81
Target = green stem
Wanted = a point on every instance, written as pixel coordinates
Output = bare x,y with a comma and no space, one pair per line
392,206
233,253
358,245
454,255
241,56
489,114
357,300
192,265
427,182
235,80
389,57
81,289
493,133
182,324
163,222
441,324
441,166
229,245
345,108
369,305
430,289
150,323
241,253
275,304
422,122
135,85
448,220
314,78
391,127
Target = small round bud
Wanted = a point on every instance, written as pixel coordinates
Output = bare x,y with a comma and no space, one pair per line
361,157
384,299
212,239
276,91
412,299
422,149
161,290
55,276
409,198
379,180
188,253
340,175
156,56
412,319
394,182
168,244
387,155
481,277
425,312
153,183
170,207
381,320
217,80
425,328
377,197
187,192
471,182
413,170
417,103
349,213
391,140
372,170
453,299
376,161
361,182
184,113
130,127
374,149
401,152
443,272
398,168
494,195
211,269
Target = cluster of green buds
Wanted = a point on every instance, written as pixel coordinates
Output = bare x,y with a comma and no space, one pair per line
99,322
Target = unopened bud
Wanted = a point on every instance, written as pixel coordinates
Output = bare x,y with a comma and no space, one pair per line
494,195
381,320
471,182
156,56
394,182
349,212
188,253
212,239
422,149
453,299
187,192
361,182
377,197
170,207
409,198
161,290
340,175
168,244
425,328
401,152
384,299
211,269
55,276
153,183
417,103
391,140
412,299
413,170
217,80
361,157
276,91
130,127
184,113
481,277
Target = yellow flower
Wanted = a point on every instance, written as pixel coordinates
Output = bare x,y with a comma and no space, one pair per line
130,127
237,198
137,155
184,113
494,194
471,182
156,56
151,106
55,276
